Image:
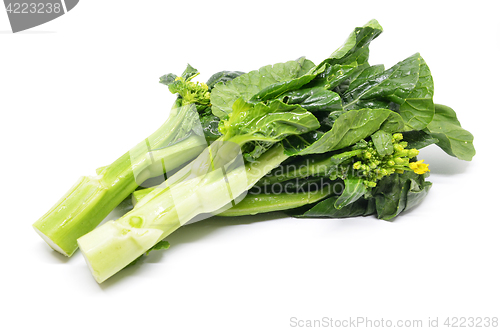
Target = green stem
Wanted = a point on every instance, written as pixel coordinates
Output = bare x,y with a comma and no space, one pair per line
304,168
256,203
264,203
91,199
114,245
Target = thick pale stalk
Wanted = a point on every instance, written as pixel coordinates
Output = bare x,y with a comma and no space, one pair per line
114,245
91,199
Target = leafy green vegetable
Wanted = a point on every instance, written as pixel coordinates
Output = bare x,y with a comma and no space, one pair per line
452,139
187,75
333,75
326,208
383,142
360,75
399,192
355,48
313,99
354,188
419,139
393,85
337,139
276,89
222,77
393,195
246,86
348,129
270,122
418,109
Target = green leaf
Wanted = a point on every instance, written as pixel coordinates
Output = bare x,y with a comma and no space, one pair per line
452,138
417,192
161,245
270,122
419,139
393,85
276,89
355,48
222,77
418,109
313,99
326,208
210,125
305,66
347,130
354,189
399,192
246,86
301,167
333,75
360,75
168,79
383,142
188,74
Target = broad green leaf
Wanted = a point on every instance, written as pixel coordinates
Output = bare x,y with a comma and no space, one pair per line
354,189
326,208
417,192
390,196
276,89
313,99
452,139
210,125
393,85
355,48
418,109
246,86
383,142
269,123
360,75
222,77
332,117
347,130
305,66
333,75
253,150
399,192
419,139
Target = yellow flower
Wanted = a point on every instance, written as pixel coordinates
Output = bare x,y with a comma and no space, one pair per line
419,167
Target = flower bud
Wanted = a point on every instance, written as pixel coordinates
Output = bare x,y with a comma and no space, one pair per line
397,136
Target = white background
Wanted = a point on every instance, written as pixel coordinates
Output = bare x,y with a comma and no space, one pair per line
79,91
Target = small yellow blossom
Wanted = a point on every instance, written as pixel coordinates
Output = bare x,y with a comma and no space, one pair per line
419,167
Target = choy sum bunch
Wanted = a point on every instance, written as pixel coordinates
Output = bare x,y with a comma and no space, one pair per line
340,138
